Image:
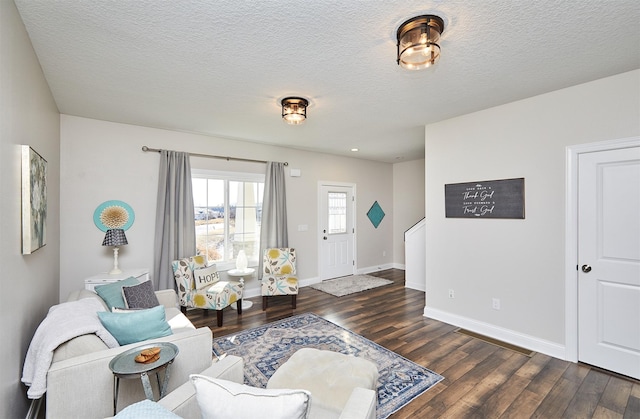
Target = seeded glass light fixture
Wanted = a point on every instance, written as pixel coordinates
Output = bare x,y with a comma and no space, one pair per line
418,40
294,110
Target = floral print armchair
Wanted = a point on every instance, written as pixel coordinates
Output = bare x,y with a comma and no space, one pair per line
217,296
279,274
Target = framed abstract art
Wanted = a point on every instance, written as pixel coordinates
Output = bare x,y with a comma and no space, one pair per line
34,200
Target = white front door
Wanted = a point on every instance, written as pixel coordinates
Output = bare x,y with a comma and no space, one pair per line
336,236
609,260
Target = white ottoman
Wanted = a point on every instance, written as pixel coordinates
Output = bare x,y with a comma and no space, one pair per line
329,376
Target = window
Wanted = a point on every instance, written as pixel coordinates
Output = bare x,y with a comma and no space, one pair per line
337,212
228,211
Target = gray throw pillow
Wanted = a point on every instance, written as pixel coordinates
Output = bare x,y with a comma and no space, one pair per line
140,296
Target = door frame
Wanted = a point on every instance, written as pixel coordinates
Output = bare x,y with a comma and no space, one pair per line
352,186
572,155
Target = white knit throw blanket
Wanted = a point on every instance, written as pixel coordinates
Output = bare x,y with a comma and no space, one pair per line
63,322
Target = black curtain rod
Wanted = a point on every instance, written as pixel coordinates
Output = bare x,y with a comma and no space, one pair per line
227,158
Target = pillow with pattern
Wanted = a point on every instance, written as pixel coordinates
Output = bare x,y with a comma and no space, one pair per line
140,296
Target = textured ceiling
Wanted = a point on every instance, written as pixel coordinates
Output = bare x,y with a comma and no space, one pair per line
220,67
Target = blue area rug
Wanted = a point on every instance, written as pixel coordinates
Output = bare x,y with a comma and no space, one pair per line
267,347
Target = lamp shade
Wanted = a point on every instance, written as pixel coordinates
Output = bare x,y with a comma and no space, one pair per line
418,40
115,237
294,110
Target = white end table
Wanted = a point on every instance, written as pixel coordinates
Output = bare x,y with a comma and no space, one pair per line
242,273
141,275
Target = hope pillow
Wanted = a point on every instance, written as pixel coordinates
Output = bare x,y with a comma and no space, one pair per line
205,277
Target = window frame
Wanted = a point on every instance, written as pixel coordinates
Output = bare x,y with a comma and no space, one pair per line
229,176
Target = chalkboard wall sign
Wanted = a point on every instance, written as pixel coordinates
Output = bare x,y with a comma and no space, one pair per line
486,199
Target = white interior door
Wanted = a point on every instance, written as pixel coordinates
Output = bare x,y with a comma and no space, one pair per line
609,260
336,231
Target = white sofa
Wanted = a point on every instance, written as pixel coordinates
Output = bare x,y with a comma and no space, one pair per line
80,383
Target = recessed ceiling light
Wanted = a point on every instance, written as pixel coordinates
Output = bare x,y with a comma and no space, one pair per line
354,149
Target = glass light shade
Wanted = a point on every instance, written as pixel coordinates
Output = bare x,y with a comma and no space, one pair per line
294,110
418,42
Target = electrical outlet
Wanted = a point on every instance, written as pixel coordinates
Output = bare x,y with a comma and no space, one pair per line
384,253
496,304
452,294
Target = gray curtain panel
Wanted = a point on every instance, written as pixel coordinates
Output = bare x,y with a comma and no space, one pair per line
175,225
273,232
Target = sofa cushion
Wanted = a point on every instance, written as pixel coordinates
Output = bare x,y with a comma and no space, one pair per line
140,295
136,325
205,277
77,346
222,399
112,293
177,321
84,293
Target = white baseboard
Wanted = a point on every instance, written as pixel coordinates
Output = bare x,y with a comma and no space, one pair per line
251,292
375,268
553,349
309,281
418,286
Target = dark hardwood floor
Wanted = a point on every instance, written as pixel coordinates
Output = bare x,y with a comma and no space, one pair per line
482,380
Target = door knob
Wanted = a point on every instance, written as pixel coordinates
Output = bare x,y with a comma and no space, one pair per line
324,238
586,269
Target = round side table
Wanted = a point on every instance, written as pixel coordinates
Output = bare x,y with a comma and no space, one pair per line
124,366
242,273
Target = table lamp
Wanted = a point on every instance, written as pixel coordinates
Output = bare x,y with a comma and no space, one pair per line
115,237
241,261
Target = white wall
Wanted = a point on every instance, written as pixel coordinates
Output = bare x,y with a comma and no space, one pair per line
408,203
521,262
28,115
103,161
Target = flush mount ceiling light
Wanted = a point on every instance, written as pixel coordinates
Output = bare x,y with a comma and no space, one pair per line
418,40
294,110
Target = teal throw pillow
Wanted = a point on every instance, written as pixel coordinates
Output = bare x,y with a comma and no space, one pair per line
112,293
136,325
146,409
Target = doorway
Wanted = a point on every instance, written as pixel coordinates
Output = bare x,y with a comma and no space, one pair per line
336,224
603,255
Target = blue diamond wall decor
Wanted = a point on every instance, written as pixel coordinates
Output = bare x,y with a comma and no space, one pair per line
375,214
